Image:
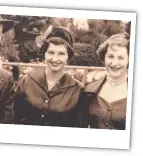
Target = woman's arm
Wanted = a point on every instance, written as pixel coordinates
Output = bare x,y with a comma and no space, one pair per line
20,101
8,99
85,78
83,110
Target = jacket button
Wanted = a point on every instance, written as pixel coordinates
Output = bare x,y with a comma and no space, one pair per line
46,101
42,116
107,124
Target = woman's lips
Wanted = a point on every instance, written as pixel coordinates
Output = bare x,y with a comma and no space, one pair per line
55,64
114,69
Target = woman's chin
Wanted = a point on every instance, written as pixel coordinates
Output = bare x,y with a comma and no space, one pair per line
54,68
114,75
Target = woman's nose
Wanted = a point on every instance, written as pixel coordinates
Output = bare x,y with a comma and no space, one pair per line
55,58
114,62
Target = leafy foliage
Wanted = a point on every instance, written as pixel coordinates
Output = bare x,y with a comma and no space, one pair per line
19,43
84,55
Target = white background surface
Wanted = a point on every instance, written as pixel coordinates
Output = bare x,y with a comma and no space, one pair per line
137,124
118,139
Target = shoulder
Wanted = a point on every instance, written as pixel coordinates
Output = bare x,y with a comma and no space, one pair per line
5,75
35,74
94,87
6,80
72,81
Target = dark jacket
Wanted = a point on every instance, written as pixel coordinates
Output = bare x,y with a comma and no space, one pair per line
35,105
7,92
105,115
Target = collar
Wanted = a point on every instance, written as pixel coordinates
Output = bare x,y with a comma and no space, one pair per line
95,86
39,77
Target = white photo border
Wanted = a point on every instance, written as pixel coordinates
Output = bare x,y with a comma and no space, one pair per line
75,137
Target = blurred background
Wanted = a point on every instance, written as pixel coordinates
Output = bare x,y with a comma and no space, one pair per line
22,43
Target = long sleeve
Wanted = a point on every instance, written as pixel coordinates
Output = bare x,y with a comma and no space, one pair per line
7,101
83,111
20,103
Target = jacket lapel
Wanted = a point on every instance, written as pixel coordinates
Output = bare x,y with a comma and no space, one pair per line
39,77
94,87
65,82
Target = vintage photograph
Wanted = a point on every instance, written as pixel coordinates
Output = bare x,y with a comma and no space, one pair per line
66,71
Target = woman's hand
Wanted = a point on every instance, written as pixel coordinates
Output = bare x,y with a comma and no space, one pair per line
95,76
84,79
77,76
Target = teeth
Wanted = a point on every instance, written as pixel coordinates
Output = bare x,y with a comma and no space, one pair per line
115,69
55,64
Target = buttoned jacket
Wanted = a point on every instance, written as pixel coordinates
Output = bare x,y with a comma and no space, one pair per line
35,105
104,115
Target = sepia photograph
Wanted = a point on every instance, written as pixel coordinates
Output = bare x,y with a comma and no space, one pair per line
66,73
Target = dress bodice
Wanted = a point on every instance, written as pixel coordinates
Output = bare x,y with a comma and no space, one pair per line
108,115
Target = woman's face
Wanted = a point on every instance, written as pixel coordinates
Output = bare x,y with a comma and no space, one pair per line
116,61
56,57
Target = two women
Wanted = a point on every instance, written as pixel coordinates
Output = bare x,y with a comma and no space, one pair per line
106,98
52,98
49,97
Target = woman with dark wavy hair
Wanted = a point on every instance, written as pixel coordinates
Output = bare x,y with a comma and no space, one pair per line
49,97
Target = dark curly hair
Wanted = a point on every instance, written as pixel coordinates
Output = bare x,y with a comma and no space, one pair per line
57,36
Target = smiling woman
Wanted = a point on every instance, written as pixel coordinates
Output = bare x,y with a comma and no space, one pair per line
116,62
49,97
56,57
107,97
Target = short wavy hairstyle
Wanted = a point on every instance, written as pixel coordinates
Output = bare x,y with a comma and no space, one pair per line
120,40
57,36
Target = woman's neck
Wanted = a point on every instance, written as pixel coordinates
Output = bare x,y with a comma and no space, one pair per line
53,76
114,89
117,80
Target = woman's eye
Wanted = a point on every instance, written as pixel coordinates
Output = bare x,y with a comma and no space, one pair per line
50,52
121,58
61,53
110,56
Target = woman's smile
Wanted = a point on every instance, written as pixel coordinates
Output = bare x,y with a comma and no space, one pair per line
116,62
56,57
55,64
115,69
